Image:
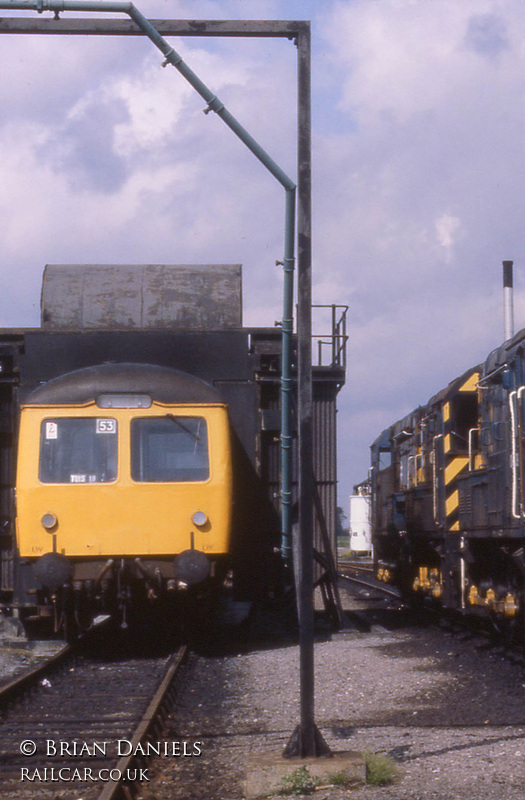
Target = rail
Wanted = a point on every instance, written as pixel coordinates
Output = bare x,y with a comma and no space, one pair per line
117,718
121,790
371,583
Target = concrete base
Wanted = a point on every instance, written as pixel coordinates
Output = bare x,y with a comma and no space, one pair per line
266,772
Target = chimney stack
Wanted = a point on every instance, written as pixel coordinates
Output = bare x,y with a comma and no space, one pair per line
508,300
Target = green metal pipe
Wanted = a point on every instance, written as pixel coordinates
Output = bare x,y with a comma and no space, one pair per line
64,5
215,105
286,379
171,56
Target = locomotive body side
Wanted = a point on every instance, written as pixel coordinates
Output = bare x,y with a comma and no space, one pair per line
452,525
491,495
415,495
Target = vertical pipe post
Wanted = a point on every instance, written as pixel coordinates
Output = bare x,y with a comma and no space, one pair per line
306,739
508,300
286,377
334,337
305,422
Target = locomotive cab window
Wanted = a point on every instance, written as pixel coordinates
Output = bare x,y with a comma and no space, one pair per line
169,449
78,450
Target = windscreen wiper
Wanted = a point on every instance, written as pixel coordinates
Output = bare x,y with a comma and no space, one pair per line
177,421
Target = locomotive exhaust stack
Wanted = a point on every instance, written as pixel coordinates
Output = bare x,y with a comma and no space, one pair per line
508,299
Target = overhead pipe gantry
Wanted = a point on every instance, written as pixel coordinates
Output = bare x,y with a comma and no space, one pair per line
306,739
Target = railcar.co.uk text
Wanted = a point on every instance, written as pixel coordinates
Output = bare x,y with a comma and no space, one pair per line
55,748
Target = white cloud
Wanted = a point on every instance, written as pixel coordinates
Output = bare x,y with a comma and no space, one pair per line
419,123
446,227
404,58
108,157
418,194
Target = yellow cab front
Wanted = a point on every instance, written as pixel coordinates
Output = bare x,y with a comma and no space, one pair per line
123,482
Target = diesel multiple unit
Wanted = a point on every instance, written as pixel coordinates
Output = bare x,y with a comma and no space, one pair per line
126,460
139,447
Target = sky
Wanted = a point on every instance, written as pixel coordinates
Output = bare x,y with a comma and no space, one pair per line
418,131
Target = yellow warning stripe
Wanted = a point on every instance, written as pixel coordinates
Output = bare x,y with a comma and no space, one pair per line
452,503
454,468
470,383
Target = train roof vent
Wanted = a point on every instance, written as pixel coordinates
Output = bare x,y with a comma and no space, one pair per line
146,296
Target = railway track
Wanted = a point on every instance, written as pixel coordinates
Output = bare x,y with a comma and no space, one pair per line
358,581
11,689
87,729
370,605
351,564
361,577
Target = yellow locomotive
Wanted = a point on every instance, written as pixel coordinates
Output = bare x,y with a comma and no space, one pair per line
124,490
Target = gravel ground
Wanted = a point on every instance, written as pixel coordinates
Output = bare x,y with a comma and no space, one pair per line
15,659
451,715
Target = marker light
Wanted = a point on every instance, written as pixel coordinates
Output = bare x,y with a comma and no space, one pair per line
49,521
199,519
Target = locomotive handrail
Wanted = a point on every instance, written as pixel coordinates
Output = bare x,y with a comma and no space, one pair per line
516,458
513,454
462,572
484,382
471,454
520,449
434,476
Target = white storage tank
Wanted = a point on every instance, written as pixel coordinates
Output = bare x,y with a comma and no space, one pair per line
360,524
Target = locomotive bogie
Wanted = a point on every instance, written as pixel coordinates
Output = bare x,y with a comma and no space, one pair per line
429,581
